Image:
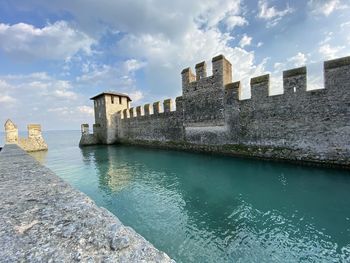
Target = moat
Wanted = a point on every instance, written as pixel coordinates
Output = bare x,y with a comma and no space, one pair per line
206,208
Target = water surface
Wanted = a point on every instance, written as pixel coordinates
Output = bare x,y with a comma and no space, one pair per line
205,208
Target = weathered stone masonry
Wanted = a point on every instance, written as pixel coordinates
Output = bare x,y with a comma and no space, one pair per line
43,219
34,141
298,125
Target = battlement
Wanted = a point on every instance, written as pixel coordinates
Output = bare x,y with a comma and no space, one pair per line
221,71
204,97
291,82
298,80
202,92
201,70
153,109
296,114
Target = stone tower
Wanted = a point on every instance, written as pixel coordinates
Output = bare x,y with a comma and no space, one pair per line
106,107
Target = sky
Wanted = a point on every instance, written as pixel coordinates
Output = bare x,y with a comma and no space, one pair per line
55,55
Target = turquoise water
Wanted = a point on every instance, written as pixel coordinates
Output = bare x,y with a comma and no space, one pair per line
204,208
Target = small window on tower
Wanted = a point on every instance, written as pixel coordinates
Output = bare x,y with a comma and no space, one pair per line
120,100
112,99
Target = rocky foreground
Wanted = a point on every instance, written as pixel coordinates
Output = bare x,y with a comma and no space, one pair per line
43,219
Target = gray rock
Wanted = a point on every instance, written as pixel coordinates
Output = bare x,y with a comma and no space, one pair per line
118,243
43,219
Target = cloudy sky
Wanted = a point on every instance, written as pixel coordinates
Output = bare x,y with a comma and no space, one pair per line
55,55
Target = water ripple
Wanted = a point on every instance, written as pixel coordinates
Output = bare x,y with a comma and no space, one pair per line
201,208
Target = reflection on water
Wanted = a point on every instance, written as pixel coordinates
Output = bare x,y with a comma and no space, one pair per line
40,156
112,178
202,208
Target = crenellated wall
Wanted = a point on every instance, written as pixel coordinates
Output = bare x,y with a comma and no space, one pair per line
305,125
203,97
152,124
299,124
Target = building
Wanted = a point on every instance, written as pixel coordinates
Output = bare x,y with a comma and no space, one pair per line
299,124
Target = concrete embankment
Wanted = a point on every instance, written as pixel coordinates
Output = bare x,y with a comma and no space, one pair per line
43,219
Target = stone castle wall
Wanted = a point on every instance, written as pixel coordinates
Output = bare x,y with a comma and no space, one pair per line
300,124
306,125
162,127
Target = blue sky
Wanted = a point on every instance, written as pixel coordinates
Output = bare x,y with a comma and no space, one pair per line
55,55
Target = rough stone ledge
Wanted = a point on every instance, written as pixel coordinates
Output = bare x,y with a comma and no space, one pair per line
185,70
260,79
294,72
200,65
335,63
233,85
219,57
43,219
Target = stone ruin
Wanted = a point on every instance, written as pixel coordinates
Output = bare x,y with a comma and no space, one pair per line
34,141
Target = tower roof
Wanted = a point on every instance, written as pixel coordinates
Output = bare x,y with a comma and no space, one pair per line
110,93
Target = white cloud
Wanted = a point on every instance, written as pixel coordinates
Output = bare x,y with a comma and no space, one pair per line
44,85
298,60
38,84
41,98
39,76
329,52
166,37
81,113
136,96
171,18
119,77
70,95
63,89
86,110
61,111
271,13
234,21
345,24
132,65
54,41
7,99
210,13
165,58
245,41
278,66
4,86
328,38
326,7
